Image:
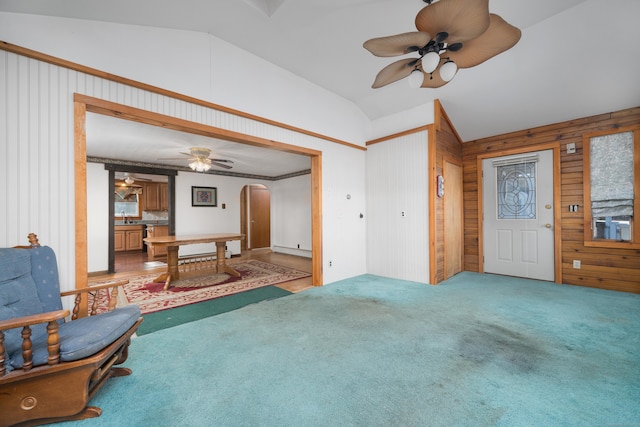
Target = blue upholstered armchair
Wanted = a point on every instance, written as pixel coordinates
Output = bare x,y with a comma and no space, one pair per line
50,368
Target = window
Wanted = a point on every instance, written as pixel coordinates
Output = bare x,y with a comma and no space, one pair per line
611,180
516,193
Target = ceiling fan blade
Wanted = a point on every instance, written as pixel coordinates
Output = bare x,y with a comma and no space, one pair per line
462,19
174,158
222,160
394,72
399,44
222,165
499,37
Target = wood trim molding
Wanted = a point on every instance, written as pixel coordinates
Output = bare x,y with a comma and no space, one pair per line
316,220
100,106
440,114
399,134
433,255
84,104
80,188
154,89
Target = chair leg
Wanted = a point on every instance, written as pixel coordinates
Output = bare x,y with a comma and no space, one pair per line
120,372
87,412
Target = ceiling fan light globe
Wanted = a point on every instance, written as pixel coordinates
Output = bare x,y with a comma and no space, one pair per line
430,62
128,180
448,71
415,79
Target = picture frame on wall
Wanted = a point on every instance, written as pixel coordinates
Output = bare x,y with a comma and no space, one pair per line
204,196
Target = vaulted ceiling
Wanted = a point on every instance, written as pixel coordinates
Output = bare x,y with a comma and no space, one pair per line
576,57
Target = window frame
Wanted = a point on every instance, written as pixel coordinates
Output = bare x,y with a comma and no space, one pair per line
635,229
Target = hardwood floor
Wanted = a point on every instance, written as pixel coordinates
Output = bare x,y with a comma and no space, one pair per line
135,263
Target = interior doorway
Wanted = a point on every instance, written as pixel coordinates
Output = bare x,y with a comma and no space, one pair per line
255,216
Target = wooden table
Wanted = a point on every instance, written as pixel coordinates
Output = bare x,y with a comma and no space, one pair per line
173,243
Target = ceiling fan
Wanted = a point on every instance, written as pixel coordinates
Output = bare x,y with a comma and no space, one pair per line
199,159
129,178
451,34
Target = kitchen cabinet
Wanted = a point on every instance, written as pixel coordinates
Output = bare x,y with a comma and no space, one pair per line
127,238
156,231
156,196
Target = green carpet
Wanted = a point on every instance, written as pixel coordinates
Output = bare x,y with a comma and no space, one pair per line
176,316
477,350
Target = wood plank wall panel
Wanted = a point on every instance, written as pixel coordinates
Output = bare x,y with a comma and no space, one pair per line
397,175
449,148
616,269
37,162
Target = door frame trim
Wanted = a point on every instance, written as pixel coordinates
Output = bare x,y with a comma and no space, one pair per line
84,104
557,212
459,164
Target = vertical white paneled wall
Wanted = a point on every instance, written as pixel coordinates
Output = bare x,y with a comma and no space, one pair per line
291,214
37,156
397,184
36,121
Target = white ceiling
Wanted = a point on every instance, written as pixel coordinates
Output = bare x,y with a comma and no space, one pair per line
576,57
113,138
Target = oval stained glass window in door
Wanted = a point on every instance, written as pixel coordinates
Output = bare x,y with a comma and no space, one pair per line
517,191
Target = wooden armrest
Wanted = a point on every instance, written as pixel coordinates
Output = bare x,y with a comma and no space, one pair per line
34,319
53,339
114,286
94,288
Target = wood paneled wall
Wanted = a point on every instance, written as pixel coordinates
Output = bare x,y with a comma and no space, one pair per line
446,146
615,269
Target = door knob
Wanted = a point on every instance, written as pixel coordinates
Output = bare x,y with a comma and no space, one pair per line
548,225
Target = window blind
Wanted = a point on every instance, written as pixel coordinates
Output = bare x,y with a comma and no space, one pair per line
611,158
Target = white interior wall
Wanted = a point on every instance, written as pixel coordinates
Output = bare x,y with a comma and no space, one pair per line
190,63
36,112
97,217
199,220
291,215
398,206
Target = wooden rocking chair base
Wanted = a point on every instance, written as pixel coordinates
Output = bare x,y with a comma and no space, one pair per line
48,394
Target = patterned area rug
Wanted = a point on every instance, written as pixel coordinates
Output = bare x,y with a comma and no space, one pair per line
151,297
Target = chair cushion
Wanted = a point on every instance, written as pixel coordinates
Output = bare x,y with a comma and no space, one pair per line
44,270
83,337
18,293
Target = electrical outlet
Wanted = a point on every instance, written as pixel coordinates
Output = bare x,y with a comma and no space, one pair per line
330,263
403,214
576,263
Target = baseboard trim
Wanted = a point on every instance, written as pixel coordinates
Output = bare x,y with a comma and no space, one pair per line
292,251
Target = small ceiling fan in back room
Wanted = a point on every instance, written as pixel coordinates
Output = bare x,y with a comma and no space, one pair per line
199,161
129,178
452,34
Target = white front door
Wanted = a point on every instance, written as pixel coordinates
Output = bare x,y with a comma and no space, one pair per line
518,215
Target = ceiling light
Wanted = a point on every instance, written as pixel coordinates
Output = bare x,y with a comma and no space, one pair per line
448,70
129,180
430,62
200,165
416,78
